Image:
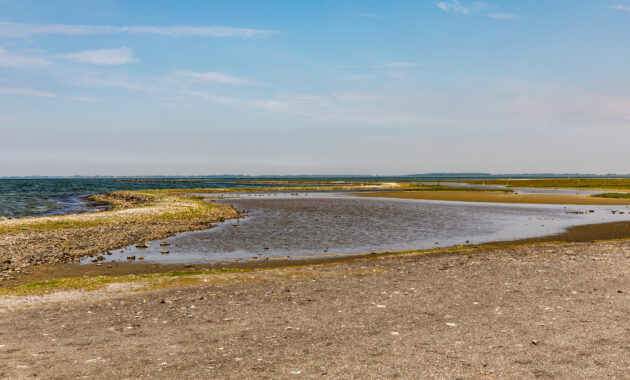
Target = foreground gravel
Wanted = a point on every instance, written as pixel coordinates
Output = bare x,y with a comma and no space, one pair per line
524,312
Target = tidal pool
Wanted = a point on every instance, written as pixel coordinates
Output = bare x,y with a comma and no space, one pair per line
312,224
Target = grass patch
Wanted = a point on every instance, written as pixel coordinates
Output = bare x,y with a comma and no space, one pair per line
126,206
612,195
146,281
577,183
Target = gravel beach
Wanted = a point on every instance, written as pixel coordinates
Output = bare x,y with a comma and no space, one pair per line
552,310
27,243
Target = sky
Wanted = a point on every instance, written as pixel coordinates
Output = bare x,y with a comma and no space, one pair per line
106,87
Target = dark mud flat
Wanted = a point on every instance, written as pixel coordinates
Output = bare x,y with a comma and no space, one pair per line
544,311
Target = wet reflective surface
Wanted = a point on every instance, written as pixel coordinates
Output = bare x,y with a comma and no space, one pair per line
280,225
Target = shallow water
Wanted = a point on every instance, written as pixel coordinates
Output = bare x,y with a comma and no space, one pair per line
280,225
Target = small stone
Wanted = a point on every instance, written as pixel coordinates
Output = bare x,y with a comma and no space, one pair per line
131,258
164,252
535,342
142,245
140,257
620,291
164,244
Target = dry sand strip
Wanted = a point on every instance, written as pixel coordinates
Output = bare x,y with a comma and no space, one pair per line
515,312
498,197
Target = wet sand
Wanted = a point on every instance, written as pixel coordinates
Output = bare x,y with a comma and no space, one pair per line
498,197
547,311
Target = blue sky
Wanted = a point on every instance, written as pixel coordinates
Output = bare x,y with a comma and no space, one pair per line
313,87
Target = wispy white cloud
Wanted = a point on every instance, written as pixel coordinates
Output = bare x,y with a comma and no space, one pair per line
107,57
34,92
356,96
116,80
372,16
459,7
24,91
620,7
396,65
10,59
11,29
215,77
503,16
317,107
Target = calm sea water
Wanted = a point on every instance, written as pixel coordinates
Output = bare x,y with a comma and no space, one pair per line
29,197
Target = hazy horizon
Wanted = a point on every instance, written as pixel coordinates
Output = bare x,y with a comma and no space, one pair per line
328,88
346,175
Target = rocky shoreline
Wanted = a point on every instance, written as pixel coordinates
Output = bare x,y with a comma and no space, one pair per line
133,218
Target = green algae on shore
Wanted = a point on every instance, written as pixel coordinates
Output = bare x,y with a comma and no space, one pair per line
560,183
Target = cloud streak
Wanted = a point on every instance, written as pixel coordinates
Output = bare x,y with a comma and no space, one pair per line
215,77
620,7
458,7
371,16
108,57
11,29
24,91
503,16
33,92
394,65
9,59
